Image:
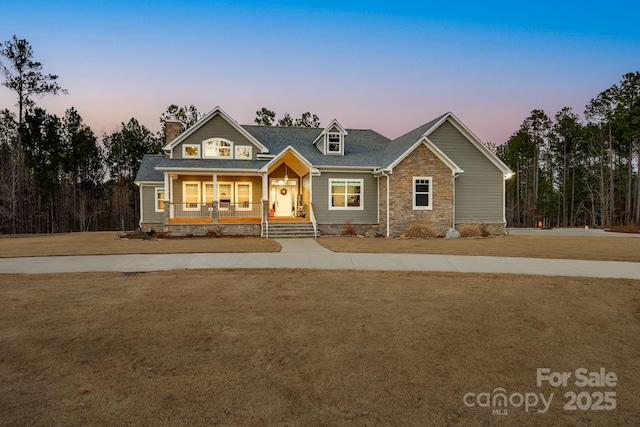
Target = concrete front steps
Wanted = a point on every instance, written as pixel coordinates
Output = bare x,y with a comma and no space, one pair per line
280,230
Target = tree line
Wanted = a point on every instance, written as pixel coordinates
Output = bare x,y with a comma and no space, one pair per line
575,172
57,175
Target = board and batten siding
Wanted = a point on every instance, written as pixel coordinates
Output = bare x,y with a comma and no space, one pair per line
216,127
479,189
149,213
369,215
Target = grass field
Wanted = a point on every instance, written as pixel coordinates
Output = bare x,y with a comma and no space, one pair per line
303,347
586,248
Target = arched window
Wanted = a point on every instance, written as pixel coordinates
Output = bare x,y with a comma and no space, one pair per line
216,148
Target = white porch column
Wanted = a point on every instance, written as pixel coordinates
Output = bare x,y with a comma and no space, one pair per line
215,187
265,186
167,195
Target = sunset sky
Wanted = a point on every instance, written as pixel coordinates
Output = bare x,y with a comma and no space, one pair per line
387,66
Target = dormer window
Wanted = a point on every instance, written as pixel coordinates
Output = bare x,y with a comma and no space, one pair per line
216,148
334,143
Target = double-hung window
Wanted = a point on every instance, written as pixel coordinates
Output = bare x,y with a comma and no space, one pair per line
243,196
346,194
191,195
422,193
159,199
334,143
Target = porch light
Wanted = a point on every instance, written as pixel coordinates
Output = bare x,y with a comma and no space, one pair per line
286,175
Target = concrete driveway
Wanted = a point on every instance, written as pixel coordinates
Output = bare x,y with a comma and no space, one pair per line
307,254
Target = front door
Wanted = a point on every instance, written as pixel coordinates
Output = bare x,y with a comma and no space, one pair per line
283,196
284,206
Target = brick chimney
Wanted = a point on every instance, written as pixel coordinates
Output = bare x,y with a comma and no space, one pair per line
173,130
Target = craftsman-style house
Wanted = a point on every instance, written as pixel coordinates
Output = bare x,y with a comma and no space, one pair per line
251,180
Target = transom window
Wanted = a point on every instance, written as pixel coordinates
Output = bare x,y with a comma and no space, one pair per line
217,148
422,193
334,143
346,194
190,151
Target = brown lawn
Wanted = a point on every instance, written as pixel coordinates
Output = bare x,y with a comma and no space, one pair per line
559,247
105,243
298,347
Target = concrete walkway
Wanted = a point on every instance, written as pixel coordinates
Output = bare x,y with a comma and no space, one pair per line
307,254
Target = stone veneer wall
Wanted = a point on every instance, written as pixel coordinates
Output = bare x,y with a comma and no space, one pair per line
383,181
420,163
201,229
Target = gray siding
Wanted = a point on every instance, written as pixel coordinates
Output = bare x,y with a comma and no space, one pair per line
217,127
479,190
149,213
369,215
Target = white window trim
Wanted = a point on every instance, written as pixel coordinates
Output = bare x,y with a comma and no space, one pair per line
347,208
184,195
340,142
243,158
205,143
156,200
430,193
238,207
189,156
230,184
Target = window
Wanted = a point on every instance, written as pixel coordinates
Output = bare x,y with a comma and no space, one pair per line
224,195
346,194
159,199
243,196
243,153
207,196
217,148
190,151
191,195
334,143
422,193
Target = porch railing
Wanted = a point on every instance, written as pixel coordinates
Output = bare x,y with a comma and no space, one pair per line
191,210
239,210
224,210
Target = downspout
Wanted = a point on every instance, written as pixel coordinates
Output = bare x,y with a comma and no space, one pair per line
141,211
455,175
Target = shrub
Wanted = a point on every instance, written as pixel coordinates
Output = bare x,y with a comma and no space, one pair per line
471,230
420,231
214,232
348,229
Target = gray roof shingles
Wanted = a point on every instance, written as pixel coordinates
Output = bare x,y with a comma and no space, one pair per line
362,148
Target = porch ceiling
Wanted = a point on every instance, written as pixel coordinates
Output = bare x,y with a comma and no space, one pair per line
293,162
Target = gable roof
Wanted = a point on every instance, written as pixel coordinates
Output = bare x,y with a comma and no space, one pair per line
211,114
401,147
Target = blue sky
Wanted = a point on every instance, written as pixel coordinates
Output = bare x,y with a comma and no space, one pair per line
388,66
